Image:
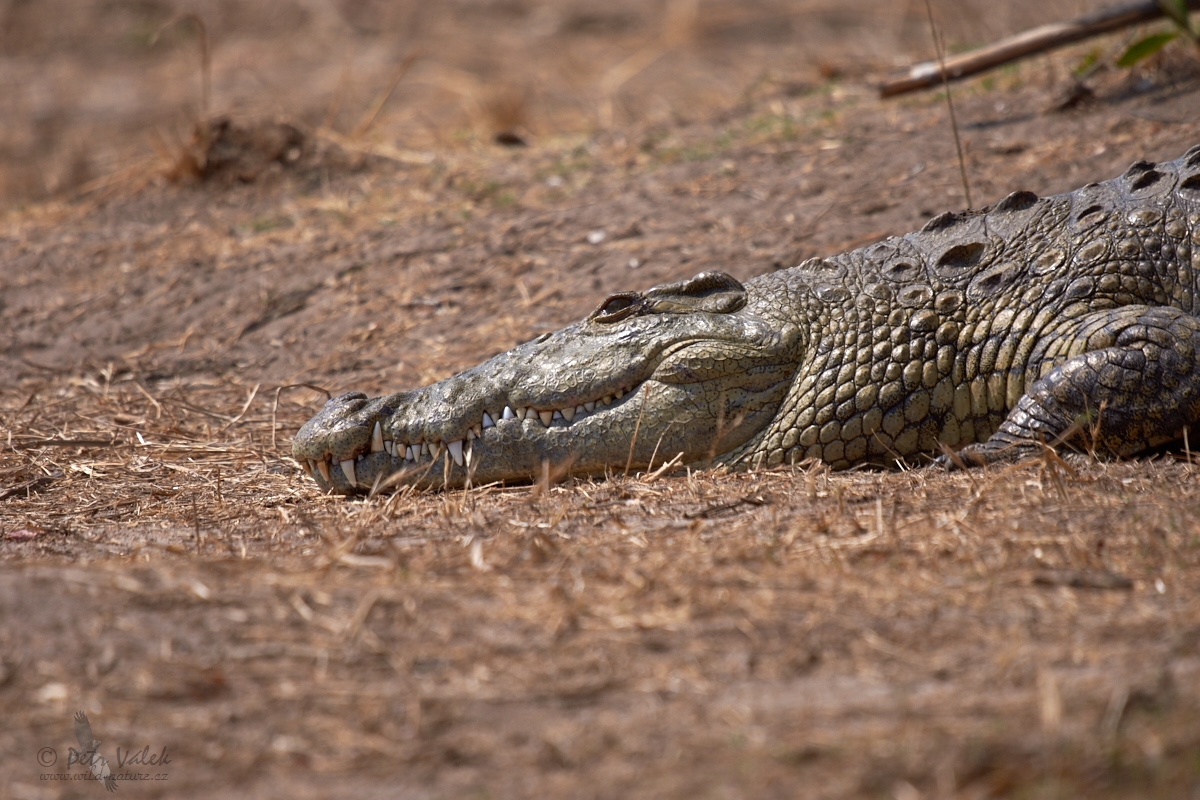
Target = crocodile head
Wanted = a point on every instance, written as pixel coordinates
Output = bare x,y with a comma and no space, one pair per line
694,368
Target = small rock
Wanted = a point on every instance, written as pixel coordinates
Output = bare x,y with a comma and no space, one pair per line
22,535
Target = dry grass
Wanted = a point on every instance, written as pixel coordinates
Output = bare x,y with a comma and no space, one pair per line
1032,631
961,634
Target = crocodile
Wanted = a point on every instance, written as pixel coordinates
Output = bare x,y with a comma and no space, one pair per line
990,334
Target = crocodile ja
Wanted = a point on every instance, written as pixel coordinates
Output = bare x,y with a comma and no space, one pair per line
1069,319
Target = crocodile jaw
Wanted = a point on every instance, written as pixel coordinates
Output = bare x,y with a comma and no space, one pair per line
589,398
